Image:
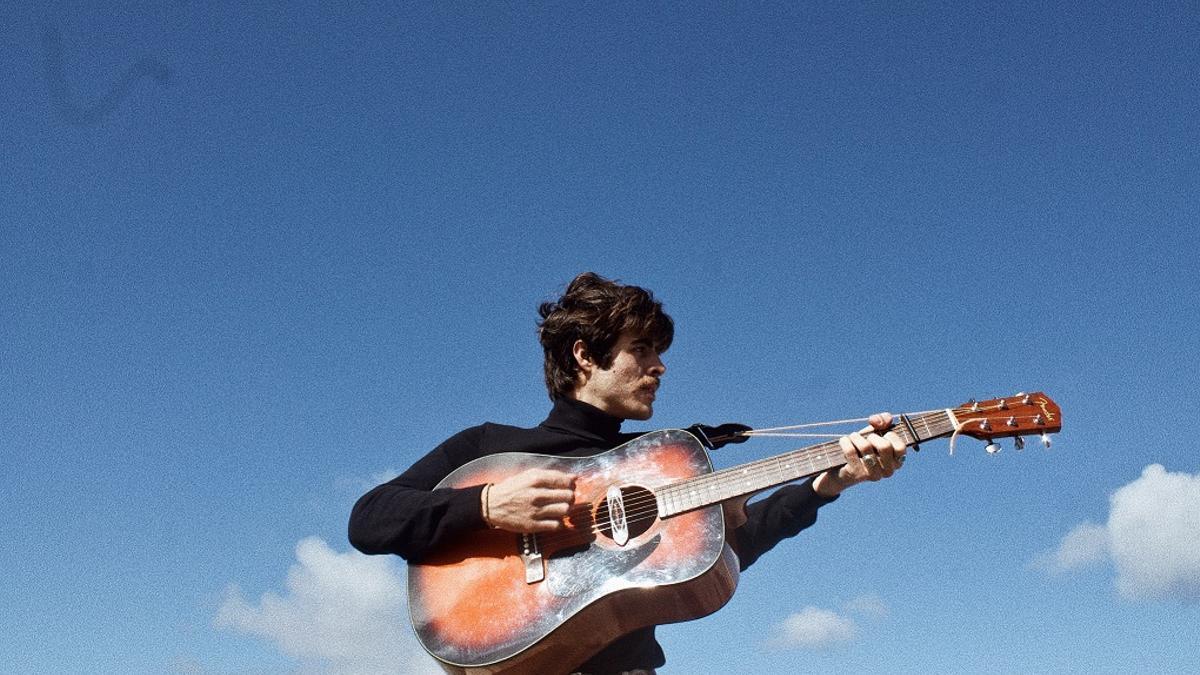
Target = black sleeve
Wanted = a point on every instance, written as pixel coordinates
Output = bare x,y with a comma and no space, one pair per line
769,521
409,518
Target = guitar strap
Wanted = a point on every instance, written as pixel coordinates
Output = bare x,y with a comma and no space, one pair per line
716,437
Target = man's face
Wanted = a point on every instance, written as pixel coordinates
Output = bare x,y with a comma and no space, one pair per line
626,389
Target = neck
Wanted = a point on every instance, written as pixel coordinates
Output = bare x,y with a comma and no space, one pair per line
585,397
746,479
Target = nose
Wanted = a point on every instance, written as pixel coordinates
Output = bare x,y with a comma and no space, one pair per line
657,367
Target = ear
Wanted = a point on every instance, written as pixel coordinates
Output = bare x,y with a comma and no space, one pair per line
582,359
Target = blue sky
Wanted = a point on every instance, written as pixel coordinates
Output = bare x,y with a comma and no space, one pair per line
257,258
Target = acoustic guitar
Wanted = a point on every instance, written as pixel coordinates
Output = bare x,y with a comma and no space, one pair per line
644,543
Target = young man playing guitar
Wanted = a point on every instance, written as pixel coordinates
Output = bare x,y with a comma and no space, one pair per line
603,343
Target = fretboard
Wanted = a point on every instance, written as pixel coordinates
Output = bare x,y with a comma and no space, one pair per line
746,479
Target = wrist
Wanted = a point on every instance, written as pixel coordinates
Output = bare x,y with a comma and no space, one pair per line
830,483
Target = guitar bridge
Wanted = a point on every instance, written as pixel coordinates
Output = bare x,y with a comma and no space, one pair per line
531,555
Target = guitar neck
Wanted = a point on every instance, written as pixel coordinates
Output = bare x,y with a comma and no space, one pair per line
746,479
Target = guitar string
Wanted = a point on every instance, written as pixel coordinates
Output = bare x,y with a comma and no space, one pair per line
830,423
779,432
641,505
646,507
635,510
827,457
784,434
773,464
638,509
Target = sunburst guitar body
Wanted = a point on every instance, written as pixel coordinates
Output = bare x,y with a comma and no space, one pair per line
499,602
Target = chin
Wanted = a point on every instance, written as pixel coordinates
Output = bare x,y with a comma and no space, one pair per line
640,414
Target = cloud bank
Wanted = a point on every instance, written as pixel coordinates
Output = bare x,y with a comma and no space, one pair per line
341,613
1152,537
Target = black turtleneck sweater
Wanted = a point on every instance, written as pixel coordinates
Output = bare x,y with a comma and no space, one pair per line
408,517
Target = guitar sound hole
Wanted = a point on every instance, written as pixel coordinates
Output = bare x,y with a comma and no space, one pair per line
641,510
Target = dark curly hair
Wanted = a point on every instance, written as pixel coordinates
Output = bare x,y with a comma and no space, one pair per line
596,310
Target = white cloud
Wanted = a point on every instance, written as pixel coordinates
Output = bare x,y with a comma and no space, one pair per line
1154,527
1087,543
341,613
1152,536
870,606
813,628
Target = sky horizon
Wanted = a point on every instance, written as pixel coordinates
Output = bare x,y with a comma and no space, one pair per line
258,259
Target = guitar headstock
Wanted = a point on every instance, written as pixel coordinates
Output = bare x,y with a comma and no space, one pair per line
1018,416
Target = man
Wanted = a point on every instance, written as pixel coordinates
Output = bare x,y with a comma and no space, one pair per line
602,343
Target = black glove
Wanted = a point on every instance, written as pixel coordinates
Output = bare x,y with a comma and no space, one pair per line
715,437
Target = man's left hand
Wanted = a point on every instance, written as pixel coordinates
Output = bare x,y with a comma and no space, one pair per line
868,457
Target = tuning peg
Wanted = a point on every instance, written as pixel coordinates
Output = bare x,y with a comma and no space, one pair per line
1046,440
1019,443
992,448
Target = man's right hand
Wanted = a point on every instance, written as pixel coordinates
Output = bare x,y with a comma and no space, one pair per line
534,501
